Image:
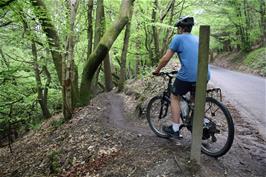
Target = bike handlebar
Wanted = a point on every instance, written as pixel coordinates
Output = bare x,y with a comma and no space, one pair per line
169,74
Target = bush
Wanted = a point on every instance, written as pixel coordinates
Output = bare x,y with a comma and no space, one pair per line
256,60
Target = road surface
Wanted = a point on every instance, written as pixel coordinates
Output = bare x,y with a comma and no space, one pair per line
247,92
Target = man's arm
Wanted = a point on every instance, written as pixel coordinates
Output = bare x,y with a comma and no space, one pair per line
163,61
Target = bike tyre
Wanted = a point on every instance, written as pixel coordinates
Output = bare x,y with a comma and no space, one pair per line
148,116
231,130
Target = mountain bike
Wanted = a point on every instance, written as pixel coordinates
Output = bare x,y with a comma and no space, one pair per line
218,125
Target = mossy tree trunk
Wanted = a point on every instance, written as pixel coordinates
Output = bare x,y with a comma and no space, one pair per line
155,32
70,80
42,92
138,60
90,29
49,29
102,49
99,31
108,74
98,28
122,77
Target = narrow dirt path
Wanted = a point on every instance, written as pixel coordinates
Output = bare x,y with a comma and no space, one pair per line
247,156
115,115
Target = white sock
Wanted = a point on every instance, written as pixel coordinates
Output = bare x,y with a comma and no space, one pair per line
175,127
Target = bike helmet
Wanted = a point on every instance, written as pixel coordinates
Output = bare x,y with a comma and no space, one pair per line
184,21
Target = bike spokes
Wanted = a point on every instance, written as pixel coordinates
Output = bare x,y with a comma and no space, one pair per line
219,131
158,114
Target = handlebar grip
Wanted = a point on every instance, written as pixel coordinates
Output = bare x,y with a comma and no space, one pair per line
165,73
173,72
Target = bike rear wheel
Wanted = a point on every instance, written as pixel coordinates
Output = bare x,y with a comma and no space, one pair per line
158,114
218,129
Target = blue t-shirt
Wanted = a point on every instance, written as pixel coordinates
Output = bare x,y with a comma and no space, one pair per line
186,46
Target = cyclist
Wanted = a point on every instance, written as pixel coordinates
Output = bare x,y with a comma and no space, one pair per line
186,46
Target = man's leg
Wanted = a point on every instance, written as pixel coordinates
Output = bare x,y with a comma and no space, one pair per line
175,110
173,130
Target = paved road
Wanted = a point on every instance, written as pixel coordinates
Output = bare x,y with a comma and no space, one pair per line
247,92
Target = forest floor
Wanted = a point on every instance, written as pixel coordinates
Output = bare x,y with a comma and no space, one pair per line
107,138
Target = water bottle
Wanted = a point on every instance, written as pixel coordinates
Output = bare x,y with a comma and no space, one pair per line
206,121
184,108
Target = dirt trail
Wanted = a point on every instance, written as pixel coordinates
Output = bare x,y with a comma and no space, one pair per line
247,156
115,115
107,139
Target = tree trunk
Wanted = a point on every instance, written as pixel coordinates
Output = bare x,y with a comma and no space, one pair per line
148,45
108,74
42,93
68,65
169,32
124,55
107,63
240,25
263,21
90,30
99,23
102,49
51,33
247,26
46,86
138,59
97,36
155,31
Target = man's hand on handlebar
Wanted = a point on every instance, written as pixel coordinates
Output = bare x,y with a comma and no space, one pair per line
156,73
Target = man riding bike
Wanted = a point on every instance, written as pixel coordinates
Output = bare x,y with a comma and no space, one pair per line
186,46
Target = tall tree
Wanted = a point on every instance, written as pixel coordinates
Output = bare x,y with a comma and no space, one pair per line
124,54
98,28
138,59
49,29
69,69
155,31
42,91
108,74
102,49
90,29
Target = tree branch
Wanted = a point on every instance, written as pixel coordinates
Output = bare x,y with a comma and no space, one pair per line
169,5
12,102
5,24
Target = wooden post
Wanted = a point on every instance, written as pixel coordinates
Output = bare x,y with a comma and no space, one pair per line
200,99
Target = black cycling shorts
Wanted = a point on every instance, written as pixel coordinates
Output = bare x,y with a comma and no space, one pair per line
182,87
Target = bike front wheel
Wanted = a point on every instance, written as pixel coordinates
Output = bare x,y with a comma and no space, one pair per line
158,114
218,129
